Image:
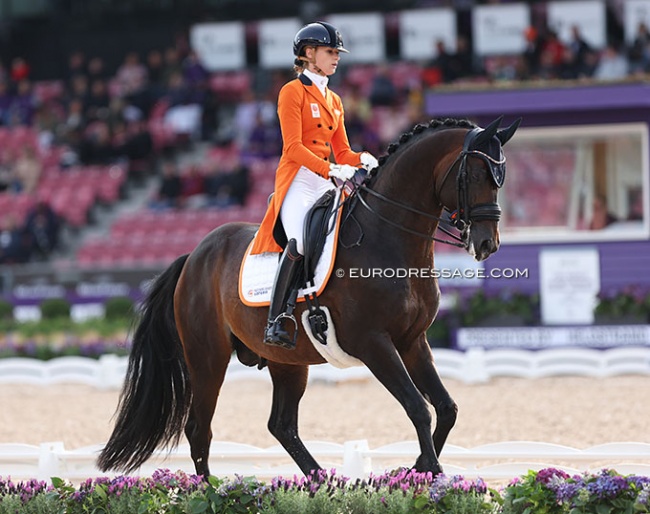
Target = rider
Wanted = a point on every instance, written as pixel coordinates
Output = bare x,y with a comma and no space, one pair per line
313,133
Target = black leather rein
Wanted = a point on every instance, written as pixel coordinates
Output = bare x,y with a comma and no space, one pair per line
461,218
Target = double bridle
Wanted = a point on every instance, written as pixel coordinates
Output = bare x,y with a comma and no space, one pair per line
463,216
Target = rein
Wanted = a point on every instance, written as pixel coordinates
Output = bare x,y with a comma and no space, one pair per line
458,240
461,219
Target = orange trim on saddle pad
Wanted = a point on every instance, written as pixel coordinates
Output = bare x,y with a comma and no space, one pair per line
268,262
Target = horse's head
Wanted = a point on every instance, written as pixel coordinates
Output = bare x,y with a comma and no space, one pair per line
480,173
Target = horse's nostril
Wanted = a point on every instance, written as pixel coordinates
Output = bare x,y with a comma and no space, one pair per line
488,247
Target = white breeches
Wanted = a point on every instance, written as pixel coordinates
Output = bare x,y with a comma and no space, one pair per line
305,189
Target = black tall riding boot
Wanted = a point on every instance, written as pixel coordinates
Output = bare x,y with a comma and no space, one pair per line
285,281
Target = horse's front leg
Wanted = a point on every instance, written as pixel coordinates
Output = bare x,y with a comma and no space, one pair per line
386,365
418,360
289,384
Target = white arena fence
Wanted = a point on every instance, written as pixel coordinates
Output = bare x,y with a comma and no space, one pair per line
472,366
354,459
498,461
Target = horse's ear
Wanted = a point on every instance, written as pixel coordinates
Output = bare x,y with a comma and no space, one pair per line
505,134
487,133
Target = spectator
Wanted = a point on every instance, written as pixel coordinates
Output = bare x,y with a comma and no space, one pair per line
98,101
580,51
182,116
42,226
601,217
382,90
239,183
79,90
138,149
265,139
23,105
14,243
19,70
612,65
97,145
76,67
246,112
192,187
551,56
635,212
639,50
443,62
225,188
27,170
172,64
5,103
532,53
170,188
156,71
196,77
131,75
97,70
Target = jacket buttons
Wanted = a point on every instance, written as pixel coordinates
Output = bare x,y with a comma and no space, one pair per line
320,125
314,141
330,127
324,158
326,143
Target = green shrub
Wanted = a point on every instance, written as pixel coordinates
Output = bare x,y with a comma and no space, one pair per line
54,308
118,308
6,311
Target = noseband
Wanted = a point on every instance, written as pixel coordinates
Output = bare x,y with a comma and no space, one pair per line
465,214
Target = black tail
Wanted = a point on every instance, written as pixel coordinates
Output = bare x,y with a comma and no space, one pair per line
156,396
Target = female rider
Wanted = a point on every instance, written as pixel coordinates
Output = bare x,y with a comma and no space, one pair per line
312,124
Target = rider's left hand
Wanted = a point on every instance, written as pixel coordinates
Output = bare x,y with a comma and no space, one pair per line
369,161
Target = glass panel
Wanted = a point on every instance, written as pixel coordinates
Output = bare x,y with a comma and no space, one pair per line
576,183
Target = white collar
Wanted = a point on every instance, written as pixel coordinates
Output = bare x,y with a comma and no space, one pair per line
320,80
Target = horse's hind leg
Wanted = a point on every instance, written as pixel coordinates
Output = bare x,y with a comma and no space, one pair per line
207,368
289,383
419,363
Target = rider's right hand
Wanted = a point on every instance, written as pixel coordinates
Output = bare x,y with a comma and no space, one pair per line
342,171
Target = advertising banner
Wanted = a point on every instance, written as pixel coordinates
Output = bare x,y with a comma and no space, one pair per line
363,35
420,30
220,46
275,42
499,29
635,12
588,16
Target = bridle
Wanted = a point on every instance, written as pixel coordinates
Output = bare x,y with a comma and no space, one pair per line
464,215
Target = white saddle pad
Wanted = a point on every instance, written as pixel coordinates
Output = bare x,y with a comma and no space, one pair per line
257,272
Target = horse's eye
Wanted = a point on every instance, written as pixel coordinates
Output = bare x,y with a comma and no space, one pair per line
477,174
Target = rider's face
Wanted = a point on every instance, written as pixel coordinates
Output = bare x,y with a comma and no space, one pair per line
324,59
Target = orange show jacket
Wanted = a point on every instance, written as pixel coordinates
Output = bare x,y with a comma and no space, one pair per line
312,128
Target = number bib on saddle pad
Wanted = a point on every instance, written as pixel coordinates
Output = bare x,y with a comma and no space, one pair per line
257,272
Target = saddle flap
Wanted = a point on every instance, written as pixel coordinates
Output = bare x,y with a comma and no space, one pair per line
318,224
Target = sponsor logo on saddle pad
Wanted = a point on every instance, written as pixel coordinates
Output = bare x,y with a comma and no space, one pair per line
257,272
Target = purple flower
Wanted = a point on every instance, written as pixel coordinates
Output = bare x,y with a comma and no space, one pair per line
546,475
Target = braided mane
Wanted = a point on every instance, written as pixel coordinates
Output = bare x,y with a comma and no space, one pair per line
434,124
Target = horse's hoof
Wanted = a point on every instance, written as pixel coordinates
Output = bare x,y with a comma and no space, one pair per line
426,466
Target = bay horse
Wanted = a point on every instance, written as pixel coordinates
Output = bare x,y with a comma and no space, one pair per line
192,318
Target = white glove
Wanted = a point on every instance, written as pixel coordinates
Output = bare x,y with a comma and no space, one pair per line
369,161
342,171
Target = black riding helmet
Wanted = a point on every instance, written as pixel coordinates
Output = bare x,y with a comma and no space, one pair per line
317,34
